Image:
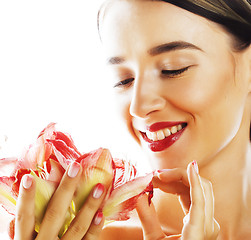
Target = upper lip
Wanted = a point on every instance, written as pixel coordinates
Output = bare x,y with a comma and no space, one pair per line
161,125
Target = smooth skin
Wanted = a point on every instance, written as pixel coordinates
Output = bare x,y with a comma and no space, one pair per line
197,201
87,225
211,93
199,222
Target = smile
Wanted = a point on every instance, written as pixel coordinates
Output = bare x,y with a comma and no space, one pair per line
162,135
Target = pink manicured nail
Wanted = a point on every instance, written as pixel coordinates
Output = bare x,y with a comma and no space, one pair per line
98,190
98,218
73,170
27,181
195,165
159,172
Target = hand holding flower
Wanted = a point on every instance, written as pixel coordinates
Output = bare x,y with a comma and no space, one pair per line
61,205
89,220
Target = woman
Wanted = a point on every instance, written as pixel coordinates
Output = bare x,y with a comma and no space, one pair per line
183,85
178,71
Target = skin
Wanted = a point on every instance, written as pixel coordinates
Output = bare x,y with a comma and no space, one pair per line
213,97
86,225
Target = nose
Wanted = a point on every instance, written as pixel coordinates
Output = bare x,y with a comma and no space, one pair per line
146,96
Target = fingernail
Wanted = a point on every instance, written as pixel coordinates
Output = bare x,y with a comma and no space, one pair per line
27,181
98,218
73,170
159,172
195,165
98,190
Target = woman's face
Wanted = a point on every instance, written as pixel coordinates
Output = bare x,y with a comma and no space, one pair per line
179,86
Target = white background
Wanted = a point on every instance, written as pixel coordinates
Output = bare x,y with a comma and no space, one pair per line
52,70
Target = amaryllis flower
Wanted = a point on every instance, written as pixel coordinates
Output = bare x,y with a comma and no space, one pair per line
48,158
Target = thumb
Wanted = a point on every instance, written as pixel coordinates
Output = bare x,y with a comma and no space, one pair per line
149,220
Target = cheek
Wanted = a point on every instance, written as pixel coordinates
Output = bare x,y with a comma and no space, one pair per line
213,102
202,91
123,102
122,105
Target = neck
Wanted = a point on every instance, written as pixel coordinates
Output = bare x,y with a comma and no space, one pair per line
229,173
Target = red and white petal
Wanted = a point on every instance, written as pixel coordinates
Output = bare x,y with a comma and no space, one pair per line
7,165
7,200
53,171
17,180
124,198
35,155
124,172
64,154
48,131
97,168
67,139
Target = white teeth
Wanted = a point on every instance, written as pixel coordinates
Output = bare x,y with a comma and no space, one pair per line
174,129
149,135
154,136
162,134
167,132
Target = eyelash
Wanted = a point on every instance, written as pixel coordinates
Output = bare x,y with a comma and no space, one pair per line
126,82
168,73
173,73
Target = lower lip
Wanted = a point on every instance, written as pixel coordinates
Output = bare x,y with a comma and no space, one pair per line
158,146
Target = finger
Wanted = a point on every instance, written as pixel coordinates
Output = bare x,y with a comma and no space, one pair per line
209,207
216,230
177,188
84,219
175,181
95,228
185,202
197,209
60,202
173,175
25,220
211,225
149,220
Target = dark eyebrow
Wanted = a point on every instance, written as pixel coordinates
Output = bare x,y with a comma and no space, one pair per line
172,46
115,60
163,48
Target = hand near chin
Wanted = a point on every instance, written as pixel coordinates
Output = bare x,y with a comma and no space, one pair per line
196,198
87,224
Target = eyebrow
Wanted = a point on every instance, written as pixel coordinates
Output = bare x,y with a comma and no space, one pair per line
172,46
163,48
115,60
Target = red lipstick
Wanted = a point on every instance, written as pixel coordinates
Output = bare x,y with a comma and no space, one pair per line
157,146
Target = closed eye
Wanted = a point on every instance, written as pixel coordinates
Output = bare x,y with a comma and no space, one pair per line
173,73
126,82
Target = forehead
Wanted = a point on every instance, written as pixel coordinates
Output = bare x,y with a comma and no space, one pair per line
142,22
